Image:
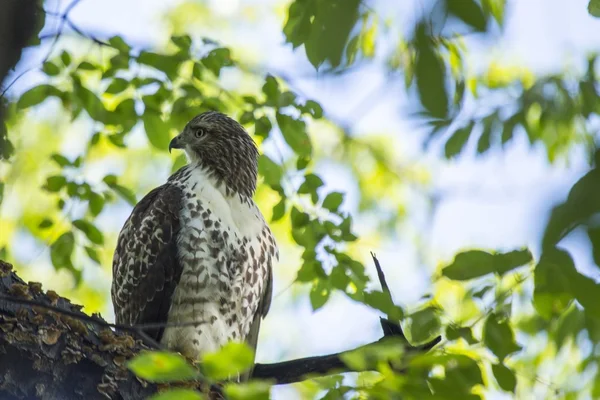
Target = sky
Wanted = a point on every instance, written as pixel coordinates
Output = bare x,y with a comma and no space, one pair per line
478,202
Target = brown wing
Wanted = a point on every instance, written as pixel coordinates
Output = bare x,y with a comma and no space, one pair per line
145,265
265,301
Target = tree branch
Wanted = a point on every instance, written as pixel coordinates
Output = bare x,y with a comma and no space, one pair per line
50,349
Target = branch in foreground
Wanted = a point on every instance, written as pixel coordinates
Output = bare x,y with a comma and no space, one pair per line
50,349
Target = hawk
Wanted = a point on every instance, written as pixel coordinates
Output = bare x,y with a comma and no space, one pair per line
197,249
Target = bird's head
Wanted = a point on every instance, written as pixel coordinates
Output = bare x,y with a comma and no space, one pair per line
218,144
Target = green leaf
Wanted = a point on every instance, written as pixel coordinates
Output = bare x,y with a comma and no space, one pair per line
60,160
469,12
278,211
271,90
498,336
157,130
162,366
117,86
217,59
333,201
270,170
310,185
553,277
581,204
96,203
319,294
262,126
1,192
453,333
476,263
167,64
253,390
184,42
424,325
505,377
118,43
126,193
383,302
87,66
430,75
294,133
457,141
484,142
594,8
46,223
110,179
92,254
299,218
231,359
330,30
50,68
65,57
388,351
36,95
312,108
55,183
90,102
61,251
177,394
90,230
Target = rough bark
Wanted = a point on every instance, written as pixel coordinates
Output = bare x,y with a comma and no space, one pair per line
49,349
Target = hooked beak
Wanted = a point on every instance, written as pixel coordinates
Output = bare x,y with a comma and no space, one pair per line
175,143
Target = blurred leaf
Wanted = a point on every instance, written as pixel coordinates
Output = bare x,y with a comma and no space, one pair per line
92,254
383,302
65,57
126,193
61,160
430,74
458,140
505,377
553,276
583,202
169,64
61,251
271,90
118,43
217,59
117,86
253,390
96,203
333,201
367,357
231,359
424,325
329,31
36,95
55,183
50,68
498,336
594,8
319,294
476,263
90,230
299,218
90,102
177,394
294,133
469,12
278,211
453,333
161,366
270,170
157,130
46,223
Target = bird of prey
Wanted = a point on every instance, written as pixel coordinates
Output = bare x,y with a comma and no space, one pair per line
197,249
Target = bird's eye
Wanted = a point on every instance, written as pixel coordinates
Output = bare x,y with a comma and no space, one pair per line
199,132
